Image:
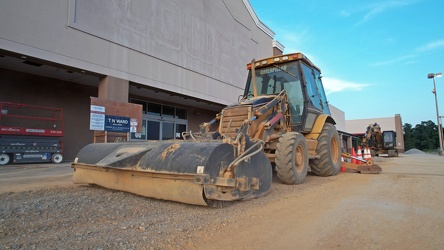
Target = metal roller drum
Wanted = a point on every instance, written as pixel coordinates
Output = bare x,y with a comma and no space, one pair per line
184,171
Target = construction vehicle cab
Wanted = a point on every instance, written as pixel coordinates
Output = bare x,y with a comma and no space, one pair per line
389,138
300,79
283,120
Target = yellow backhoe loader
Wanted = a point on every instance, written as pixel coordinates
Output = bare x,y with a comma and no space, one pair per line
381,143
282,121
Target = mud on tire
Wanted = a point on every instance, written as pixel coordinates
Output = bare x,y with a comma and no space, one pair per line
291,158
328,150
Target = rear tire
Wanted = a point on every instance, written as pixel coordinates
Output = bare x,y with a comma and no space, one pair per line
329,152
292,158
4,159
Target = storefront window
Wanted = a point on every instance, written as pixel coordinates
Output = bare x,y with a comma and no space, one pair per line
143,103
181,113
161,122
154,109
168,111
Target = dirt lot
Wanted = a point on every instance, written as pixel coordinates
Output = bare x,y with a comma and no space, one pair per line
401,208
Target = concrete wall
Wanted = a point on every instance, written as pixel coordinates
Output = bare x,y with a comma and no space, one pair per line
196,48
400,133
339,117
190,48
359,126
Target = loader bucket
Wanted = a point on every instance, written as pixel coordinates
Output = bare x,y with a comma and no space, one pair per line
184,171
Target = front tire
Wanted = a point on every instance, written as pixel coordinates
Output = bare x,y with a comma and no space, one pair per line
292,158
329,152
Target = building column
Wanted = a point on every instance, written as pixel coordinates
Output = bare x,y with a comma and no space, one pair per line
399,134
112,88
278,48
349,144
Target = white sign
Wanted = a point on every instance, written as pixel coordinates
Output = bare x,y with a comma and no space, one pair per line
133,127
97,118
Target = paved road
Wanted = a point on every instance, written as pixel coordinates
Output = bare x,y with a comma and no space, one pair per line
23,177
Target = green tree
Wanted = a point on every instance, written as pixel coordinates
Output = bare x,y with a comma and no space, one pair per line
409,142
425,136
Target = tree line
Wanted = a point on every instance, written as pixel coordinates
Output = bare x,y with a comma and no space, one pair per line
423,136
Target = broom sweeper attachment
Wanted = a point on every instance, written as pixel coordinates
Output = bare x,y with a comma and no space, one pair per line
200,171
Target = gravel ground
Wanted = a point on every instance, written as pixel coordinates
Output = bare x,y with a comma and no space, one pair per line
346,211
414,151
400,208
91,217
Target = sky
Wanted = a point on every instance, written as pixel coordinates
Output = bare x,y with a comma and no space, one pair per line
374,55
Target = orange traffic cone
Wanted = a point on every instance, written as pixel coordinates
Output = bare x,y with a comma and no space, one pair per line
343,169
359,155
369,154
353,160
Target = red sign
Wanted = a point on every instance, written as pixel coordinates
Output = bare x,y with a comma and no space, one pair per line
29,131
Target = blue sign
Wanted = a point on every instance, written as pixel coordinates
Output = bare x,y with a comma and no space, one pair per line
117,124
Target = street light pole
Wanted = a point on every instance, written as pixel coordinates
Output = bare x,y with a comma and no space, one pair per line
442,133
432,76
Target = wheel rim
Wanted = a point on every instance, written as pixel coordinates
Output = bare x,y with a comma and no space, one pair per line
4,159
57,158
299,159
334,149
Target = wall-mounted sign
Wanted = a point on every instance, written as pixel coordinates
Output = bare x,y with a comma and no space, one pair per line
97,120
117,123
133,128
128,111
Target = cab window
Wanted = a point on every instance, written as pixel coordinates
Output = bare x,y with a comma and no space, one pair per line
312,90
321,92
272,80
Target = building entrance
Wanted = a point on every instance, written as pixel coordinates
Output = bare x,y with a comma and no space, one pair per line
161,122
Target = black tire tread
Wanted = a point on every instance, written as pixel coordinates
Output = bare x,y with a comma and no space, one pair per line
284,160
324,166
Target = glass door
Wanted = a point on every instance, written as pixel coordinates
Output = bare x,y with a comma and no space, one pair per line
167,130
153,130
179,129
159,130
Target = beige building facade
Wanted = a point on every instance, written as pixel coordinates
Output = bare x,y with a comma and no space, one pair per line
358,127
183,61
339,117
